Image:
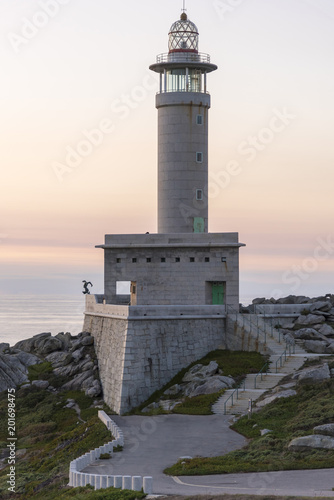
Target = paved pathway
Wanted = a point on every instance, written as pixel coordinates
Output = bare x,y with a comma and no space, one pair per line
154,443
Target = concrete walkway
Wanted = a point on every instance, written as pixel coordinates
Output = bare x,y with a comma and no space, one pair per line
154,443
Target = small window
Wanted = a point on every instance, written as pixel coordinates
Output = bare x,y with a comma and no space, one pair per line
163,259
177,259
199,157
199,120
207,259
148,259
192,259
118,261
134,260
224,259
199,194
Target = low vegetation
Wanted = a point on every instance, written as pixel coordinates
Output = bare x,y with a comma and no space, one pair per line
287,418
235,364
49,437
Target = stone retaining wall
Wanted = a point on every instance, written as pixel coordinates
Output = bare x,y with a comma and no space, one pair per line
78,478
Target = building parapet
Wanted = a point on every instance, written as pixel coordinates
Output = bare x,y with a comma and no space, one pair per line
95,308
196,240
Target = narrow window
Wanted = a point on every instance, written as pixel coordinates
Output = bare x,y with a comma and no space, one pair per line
118,261
134,260
199,119
199,194
177,259
199,157
224,259
148,259
163,259
207,259
192,259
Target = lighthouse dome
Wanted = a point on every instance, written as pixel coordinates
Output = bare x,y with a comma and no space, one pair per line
183,36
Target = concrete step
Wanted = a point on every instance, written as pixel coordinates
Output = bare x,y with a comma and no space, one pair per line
276,345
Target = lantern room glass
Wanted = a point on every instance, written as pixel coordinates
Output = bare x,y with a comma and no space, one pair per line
183,36
184,80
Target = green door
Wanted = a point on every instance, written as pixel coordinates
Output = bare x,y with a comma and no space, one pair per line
217,293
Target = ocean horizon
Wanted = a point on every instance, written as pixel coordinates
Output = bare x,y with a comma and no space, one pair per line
22,316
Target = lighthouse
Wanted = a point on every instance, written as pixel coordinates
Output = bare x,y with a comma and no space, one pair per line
183,280
183,103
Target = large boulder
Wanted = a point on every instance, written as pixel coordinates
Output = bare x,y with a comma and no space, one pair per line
325,430
325,329
59,358
314,442
314,375
30,345
211,386
321,306
284,394
14,369
80,381
330,348
309,319
307,334
316,346
4,348
200,372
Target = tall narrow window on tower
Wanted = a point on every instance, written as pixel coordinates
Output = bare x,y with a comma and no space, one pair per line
199,119
199,157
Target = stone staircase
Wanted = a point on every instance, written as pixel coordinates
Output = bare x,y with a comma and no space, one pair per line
270,342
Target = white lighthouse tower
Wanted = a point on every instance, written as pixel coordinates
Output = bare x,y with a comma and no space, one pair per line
183,280
183,103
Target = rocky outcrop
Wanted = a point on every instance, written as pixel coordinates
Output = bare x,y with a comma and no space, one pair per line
326,430
323,438
284,394
313,375
313,442
309,319
198,381
297,299
14,369
72,358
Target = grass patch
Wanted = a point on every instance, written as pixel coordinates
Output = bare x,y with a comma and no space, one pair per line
88,493
52,436
199,405
288,418
236,364
38,372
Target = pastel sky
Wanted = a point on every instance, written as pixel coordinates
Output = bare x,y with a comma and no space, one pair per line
69,67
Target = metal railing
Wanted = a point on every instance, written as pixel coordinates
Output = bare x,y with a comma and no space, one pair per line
191,57
246,319
291,349
236,391
263,370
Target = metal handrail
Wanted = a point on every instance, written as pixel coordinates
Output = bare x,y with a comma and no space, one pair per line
280,360
167,57
259,329
264,367
243,385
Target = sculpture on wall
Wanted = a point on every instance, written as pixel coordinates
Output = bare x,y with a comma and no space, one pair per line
86,290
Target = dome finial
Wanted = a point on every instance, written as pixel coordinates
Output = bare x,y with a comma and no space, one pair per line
184,16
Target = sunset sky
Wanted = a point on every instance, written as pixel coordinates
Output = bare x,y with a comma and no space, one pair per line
70,67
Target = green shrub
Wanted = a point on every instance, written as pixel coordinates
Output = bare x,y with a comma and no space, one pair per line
40,371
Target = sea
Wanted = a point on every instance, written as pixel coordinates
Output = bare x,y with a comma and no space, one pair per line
23,316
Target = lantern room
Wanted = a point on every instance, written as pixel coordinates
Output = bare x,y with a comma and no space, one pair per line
183,68
183,36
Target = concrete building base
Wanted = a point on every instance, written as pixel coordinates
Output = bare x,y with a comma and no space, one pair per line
141,348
